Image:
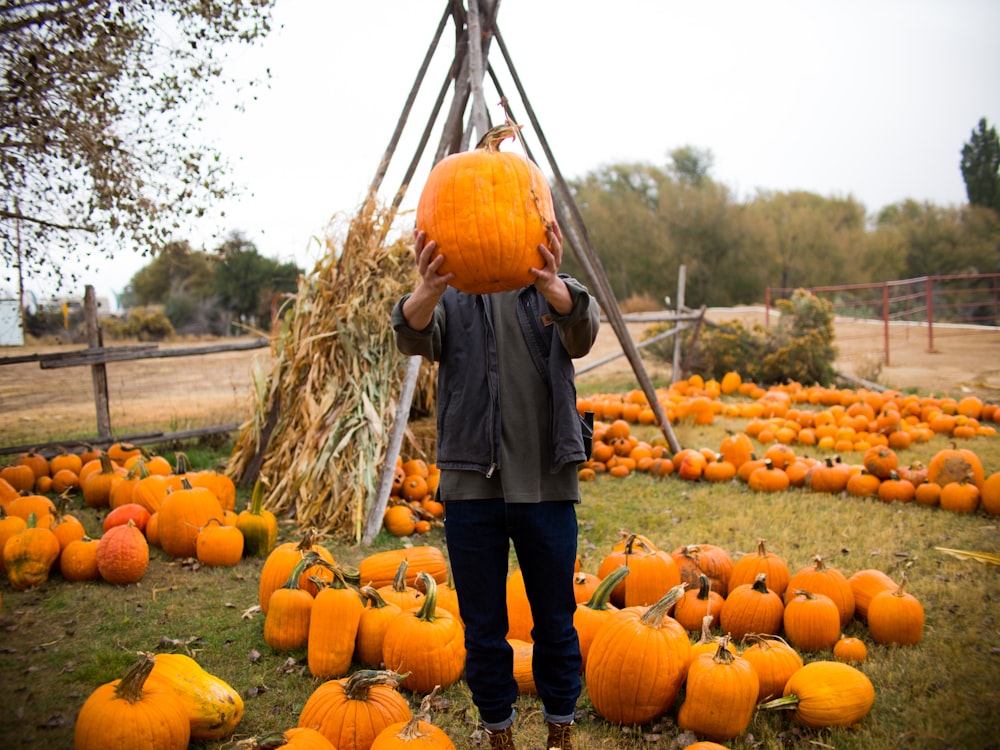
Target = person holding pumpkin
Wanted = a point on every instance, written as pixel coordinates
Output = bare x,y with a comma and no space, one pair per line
508,444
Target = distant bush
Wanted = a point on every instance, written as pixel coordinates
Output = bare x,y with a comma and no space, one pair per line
142,323
800,348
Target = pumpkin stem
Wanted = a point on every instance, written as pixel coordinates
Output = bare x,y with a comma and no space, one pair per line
428,609
599,599
760,583
706,629
308,560
358,684
372,595
722,654
496,135
257,498
129,687
658,612
787,702
270,741
182,465
704,587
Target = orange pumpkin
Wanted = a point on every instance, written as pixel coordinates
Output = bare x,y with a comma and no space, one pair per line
488,211
122,554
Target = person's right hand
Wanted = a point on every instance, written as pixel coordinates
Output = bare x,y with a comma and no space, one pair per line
429,262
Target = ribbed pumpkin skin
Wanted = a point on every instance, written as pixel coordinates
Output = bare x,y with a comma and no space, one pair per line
182,513
821,578
440,658
896,617
749,566
830,694
865,584
811,621
122,554
775,662
304,738
351,719
333,631
484,209
280,563
420,735
379,569
153,717
635,670
213,707
752,608
372,624
29,554
720,696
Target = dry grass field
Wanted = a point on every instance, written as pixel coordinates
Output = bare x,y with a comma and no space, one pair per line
173,394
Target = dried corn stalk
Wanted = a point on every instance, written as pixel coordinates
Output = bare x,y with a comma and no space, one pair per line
332,390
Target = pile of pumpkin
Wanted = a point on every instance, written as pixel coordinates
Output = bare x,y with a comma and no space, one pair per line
309,602
413,507
647,601
954,479
835,419
166,701
189,514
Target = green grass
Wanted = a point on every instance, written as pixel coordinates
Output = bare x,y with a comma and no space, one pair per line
63,640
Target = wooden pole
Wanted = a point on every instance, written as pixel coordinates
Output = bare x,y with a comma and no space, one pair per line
98,371
675,372
377,509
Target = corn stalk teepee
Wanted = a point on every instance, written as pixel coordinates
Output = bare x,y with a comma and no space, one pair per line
330,416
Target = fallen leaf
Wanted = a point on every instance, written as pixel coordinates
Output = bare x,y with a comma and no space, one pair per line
987,558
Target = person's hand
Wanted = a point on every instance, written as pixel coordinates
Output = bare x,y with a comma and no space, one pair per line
418,309
429,262
547,279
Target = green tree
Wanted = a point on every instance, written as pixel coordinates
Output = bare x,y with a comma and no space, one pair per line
98,101
176,269
692,165
931,240
981,167
246,283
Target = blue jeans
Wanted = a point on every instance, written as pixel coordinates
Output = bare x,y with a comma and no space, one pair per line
544,534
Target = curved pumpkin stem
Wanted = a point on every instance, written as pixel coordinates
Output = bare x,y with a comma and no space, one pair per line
428,608
358,684
658,612
602,594
496,135
129,688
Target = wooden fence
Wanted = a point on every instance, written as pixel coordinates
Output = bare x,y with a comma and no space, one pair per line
96,356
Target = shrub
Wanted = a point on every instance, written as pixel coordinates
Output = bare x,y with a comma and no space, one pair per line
799,348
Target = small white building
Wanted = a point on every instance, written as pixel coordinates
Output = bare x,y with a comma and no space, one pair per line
11,330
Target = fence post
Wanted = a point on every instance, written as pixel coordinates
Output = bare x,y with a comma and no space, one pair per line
767,307
930,315
675,372
885,320
98,372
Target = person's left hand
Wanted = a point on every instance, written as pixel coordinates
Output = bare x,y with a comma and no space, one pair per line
547,279
546,276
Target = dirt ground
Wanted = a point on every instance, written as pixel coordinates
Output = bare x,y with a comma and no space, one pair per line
168,395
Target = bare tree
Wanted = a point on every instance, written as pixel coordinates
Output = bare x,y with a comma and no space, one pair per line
99,109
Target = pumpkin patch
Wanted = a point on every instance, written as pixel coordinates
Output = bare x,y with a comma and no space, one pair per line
718,576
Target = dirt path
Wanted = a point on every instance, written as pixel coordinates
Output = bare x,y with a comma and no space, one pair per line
176,394
964,359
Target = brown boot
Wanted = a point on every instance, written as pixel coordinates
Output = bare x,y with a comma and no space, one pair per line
502,739
560,736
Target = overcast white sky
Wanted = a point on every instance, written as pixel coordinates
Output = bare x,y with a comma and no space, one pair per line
865,98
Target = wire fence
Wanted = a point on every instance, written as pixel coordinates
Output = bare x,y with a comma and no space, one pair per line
909,307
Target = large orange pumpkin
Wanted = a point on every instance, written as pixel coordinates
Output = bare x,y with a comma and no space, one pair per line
488,211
